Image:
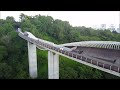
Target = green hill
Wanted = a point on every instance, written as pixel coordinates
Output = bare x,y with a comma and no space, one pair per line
14,54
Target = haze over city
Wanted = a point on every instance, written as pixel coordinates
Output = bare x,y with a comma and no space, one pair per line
76,18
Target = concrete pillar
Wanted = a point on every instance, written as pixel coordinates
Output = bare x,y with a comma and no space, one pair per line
53,65
32,56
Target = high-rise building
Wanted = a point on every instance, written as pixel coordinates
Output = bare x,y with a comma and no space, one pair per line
103,26
119,23
118,30
112,27
119,27
94,26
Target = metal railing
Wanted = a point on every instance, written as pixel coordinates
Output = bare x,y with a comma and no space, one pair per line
74,55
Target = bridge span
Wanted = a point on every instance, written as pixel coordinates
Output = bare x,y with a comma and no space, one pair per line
102,55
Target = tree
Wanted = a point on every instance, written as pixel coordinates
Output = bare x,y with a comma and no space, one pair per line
3,52
5,71
14,54
10,19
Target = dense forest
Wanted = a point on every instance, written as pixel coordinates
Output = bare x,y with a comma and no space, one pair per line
14,54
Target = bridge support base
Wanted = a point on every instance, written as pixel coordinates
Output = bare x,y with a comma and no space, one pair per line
53,65
32,56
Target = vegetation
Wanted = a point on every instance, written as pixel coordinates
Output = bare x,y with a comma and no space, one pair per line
14,55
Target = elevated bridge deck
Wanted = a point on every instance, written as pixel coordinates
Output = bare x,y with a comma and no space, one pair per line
105,59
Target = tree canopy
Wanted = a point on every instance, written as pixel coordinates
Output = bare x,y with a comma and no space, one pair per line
13,49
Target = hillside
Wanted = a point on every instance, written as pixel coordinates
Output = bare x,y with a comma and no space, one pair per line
14,55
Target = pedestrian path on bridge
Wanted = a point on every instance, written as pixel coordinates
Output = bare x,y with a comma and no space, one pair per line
102,55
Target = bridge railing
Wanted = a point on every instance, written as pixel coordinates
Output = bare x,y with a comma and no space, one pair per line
73,54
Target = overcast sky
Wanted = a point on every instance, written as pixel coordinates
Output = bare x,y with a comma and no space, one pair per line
75,18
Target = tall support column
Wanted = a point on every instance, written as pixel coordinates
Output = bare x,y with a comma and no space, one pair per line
53,65
32,56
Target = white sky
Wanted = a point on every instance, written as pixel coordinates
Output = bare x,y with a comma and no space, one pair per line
75,18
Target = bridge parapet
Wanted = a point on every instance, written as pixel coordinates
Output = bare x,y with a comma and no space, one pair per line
98,44
79,57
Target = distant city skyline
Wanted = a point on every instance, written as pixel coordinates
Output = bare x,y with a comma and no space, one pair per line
106,26
75,18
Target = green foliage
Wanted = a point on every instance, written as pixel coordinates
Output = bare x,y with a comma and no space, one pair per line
14,54
5,71
3,52
74,70
42,64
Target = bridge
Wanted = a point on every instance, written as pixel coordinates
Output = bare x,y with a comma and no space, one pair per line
102,55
